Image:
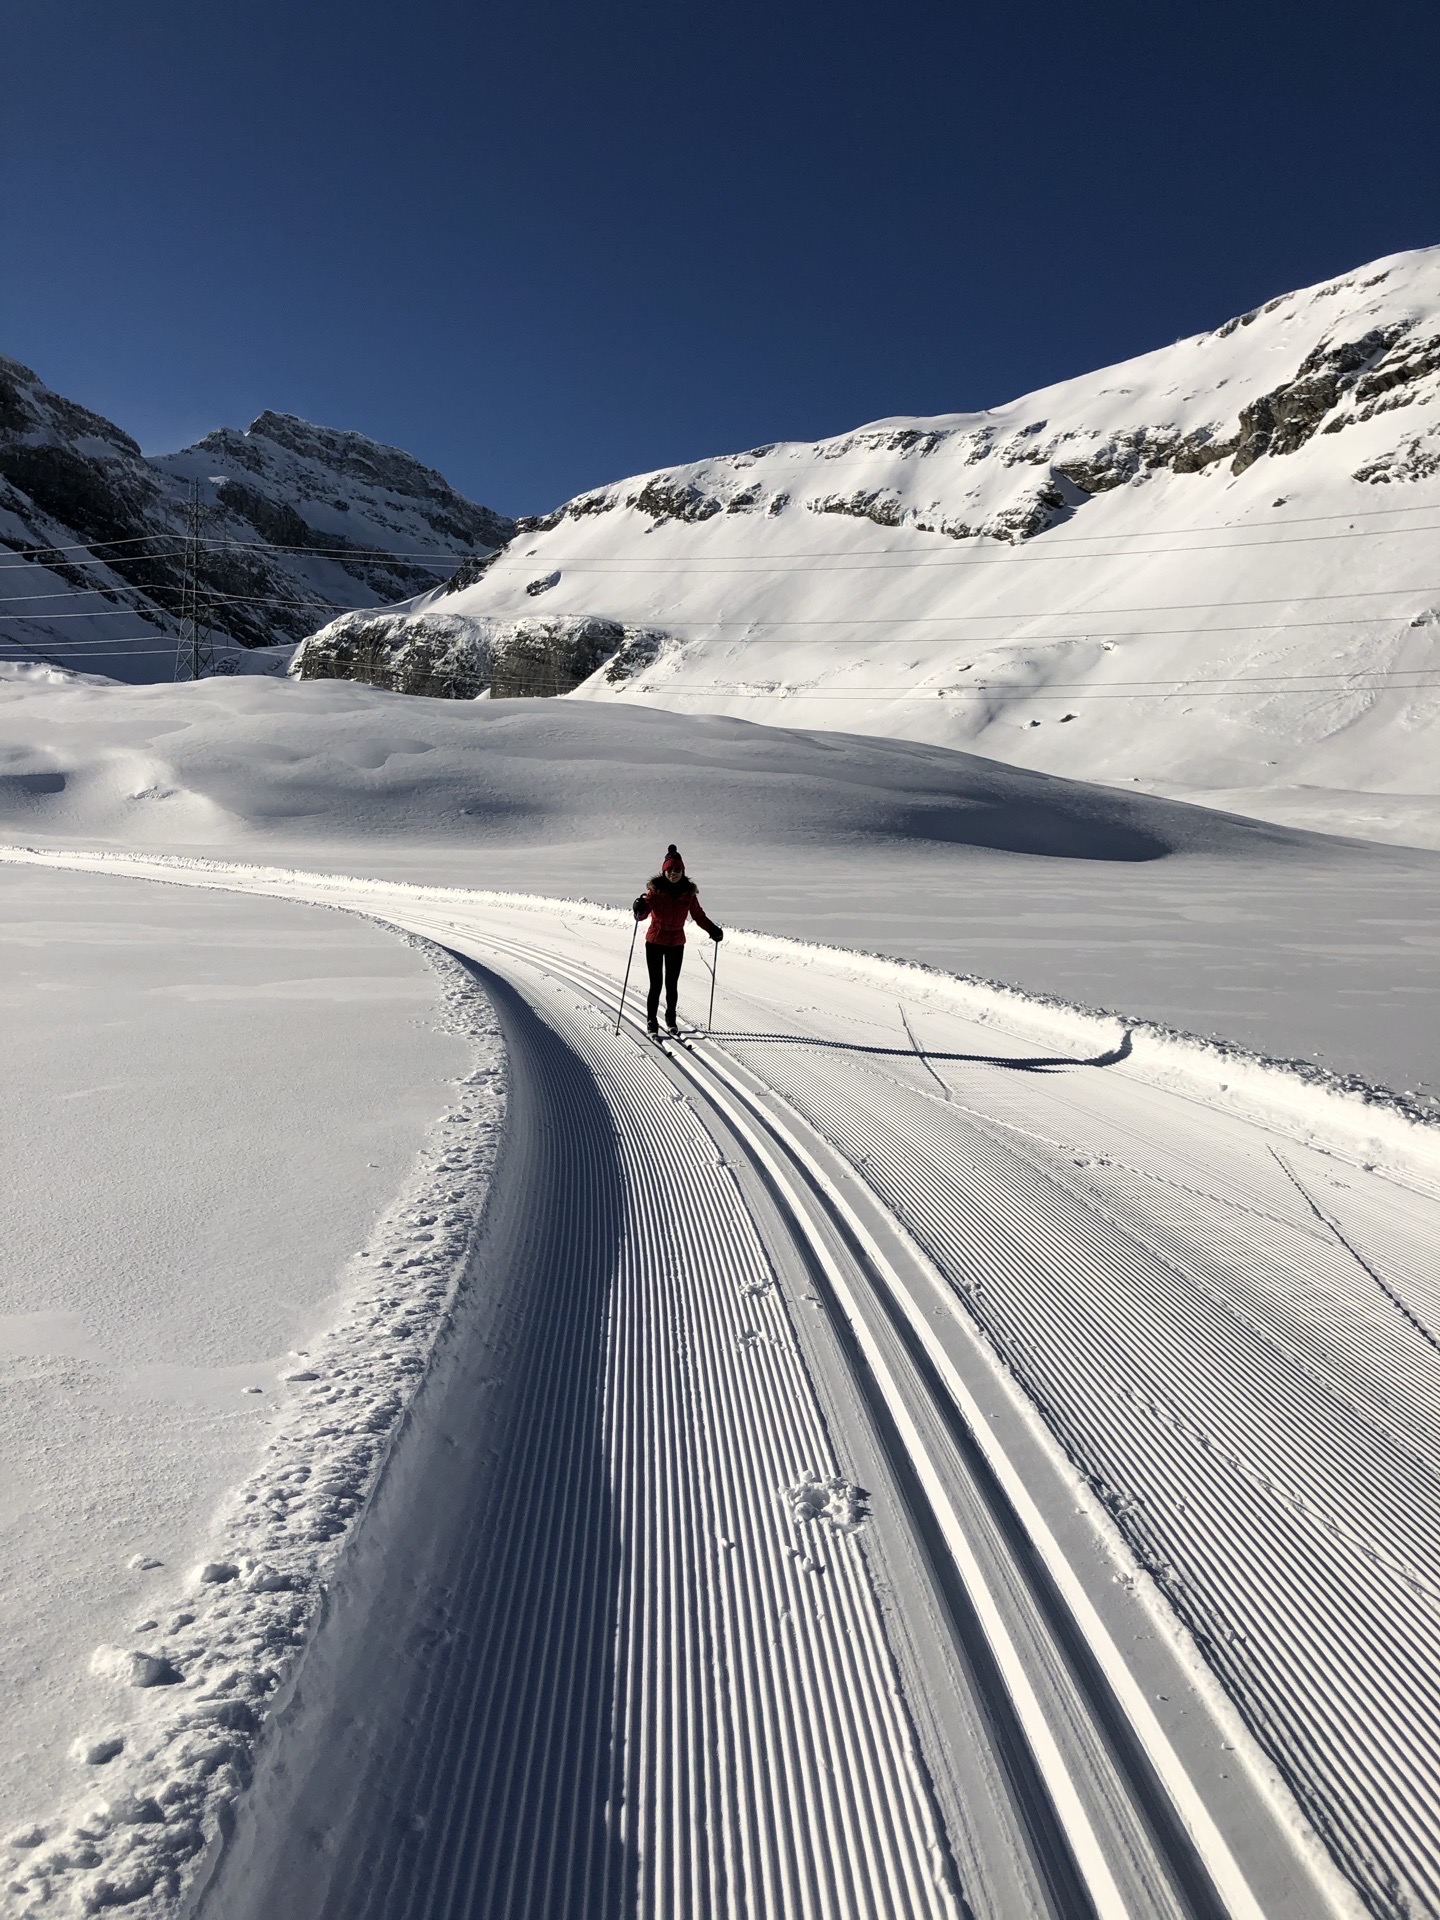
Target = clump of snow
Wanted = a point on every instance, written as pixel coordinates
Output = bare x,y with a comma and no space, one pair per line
179,1708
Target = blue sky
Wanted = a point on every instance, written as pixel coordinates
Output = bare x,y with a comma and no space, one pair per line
547,245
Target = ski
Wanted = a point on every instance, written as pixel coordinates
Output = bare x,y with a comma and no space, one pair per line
663,1037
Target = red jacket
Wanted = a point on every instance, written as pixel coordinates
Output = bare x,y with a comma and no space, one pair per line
670,903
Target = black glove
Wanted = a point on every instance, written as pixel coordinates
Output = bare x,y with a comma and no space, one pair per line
639,908
717,934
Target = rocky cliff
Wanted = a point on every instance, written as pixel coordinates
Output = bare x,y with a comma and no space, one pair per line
453,658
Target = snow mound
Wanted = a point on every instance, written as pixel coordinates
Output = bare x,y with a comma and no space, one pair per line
209,766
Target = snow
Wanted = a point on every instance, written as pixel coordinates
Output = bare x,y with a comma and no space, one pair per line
1051,1052
1198,1486
1264,639
1285,944
209,1107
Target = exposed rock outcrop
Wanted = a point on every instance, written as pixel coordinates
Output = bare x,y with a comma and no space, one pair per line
1284,419
450,657
1418,459
442,658
1030,511
538,659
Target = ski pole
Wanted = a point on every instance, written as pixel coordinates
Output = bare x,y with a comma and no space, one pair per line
619,1011
714,957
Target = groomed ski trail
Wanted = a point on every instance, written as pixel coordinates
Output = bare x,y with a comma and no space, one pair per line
902,1484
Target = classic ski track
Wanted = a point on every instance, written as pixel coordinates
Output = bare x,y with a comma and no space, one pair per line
1341,1635
1077,1866
1152,1808
1217,1374
1325,1389
725,1685
759,1756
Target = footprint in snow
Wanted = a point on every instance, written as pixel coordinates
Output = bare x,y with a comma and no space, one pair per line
837,1501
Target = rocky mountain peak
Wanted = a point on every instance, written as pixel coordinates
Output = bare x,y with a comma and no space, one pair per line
31,413
349,455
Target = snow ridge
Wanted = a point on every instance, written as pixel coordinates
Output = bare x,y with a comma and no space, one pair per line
181,1708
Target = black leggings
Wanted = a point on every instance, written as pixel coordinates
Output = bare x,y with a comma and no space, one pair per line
669,961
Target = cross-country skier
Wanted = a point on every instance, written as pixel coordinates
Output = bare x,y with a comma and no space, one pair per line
669,900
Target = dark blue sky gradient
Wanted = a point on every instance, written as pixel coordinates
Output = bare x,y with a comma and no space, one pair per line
545,245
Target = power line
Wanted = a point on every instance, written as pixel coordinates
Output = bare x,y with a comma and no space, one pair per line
103,650
1379,676
1180,691
1224,526
835,620
216,599
975,642
906,555
437,561
213,600
37,555
430,559
1290,520
1378,680
746,564
129,540
1162,633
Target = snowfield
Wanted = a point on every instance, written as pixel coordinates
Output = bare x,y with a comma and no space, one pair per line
1282,942
958,1439
1212,571
785,1286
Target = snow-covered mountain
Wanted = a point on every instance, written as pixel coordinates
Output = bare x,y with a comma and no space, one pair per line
298,521
1212,570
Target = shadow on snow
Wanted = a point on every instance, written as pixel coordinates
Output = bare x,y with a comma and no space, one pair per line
1015,1063
456,1757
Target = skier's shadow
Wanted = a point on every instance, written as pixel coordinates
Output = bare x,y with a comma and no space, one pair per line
1014,1063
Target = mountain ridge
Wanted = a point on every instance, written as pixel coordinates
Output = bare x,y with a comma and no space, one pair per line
299,520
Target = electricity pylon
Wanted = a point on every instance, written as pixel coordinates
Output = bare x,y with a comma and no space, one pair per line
194,655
